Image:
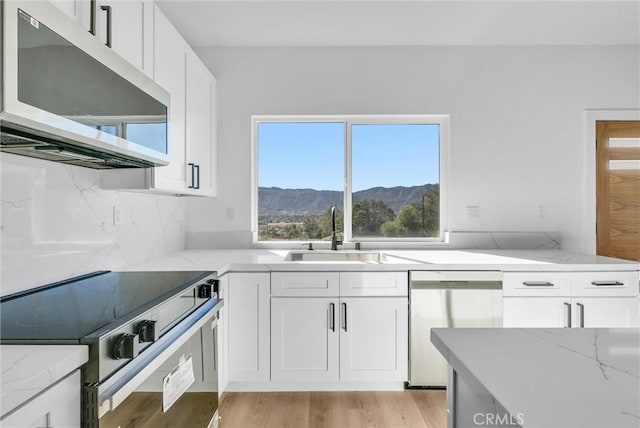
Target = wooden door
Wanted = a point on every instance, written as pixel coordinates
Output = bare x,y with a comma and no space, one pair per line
618,189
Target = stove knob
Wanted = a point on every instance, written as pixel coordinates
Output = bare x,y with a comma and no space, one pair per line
125,346
147,331
204,291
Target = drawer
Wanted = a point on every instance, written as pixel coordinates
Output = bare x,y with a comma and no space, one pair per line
374,284
536,284
305,284
604,284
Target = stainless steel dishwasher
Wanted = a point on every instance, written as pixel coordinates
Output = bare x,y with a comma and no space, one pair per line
447,299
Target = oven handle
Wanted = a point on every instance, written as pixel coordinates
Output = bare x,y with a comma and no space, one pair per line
117,388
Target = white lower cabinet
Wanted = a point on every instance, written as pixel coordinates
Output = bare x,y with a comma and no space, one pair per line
606,312
304,339
58,406
373,339
247,327
330,328
524,312
577,299
339,339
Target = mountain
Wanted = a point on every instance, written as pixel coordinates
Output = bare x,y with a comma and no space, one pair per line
274,200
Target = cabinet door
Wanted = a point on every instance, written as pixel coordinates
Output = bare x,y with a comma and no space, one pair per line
373,339
606,312
304,339
127,37
536,312
248,326
74,9
58,406
200,86
170,52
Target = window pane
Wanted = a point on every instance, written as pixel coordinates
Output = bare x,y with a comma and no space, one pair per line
300,177
395,180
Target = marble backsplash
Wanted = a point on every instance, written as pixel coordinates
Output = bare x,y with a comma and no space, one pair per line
56,223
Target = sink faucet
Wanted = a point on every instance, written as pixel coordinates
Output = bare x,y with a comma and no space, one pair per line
334,240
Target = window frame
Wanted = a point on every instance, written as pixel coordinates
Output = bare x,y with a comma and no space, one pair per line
443,122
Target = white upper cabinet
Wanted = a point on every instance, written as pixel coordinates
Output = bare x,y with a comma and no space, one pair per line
78,10
121,24
192,168
127,26
170,52
200,127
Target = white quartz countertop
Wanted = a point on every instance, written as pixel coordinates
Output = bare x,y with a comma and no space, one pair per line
500,260
552,377
28,370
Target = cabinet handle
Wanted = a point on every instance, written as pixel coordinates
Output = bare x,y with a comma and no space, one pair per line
344,310
108,10
606,283
332,316
193,176
580,314
92,18
197,168
567,311
538,284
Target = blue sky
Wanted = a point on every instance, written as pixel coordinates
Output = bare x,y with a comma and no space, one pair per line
311,155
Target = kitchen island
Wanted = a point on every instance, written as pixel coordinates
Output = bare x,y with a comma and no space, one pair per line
542,377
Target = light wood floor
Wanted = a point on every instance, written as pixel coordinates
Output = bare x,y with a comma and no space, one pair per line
415,409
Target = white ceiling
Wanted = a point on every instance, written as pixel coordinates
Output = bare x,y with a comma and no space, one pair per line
405,23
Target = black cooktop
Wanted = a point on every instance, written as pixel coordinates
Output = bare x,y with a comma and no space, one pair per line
66,311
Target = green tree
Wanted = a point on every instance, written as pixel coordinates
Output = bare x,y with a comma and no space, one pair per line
311,228
292,232
410,218
431,214
369,215
392,229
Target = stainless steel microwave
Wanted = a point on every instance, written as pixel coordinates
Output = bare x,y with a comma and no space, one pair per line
67,97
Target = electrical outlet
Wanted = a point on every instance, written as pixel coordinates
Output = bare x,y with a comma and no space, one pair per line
540,210
117,215
473,212
231,214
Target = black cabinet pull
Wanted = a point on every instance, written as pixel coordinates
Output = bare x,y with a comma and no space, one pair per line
607,283
108,10
567,308
344,308
92,18
332,316
581,314
193,176
197,168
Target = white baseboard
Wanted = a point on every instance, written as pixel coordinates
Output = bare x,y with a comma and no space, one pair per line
313,386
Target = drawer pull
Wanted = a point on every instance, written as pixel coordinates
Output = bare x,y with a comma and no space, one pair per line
538,284
606,283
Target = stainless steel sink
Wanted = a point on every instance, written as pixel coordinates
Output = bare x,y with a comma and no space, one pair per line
335,256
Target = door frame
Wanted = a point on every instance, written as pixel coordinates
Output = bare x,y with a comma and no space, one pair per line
591,116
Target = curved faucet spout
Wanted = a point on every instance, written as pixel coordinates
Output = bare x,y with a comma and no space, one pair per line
334,239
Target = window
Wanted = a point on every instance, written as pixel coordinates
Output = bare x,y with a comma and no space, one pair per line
382,173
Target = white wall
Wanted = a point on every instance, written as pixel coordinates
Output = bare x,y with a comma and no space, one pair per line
57,223
516,122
